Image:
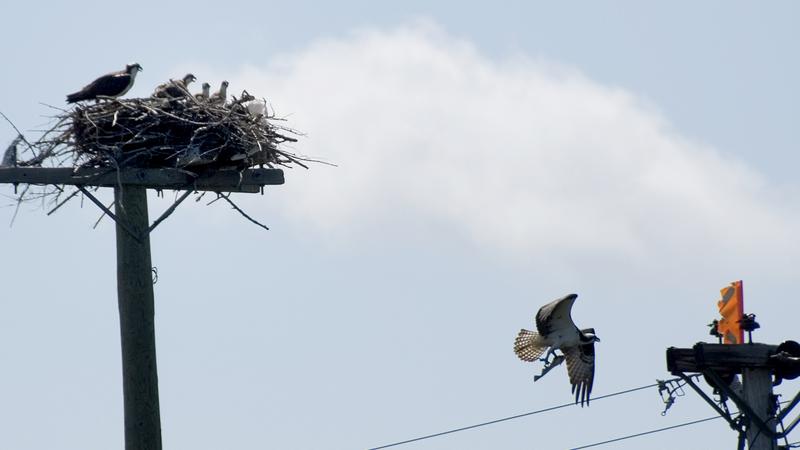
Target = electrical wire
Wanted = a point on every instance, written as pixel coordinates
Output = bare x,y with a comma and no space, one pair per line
662,429
517,416
552,408
647,432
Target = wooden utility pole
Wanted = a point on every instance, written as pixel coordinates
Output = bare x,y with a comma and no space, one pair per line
719,363
137,320
761,366
134,267
757,382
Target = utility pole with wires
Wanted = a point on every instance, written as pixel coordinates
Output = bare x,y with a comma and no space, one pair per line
761,366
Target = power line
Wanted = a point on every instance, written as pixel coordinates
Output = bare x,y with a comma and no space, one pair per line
648,432
665,429
469,427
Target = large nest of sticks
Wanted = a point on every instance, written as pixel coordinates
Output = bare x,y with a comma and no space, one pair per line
186,133
172,129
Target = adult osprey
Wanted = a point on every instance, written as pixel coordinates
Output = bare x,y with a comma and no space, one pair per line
220,96
10,155
113,84
555,330
175,88
203,96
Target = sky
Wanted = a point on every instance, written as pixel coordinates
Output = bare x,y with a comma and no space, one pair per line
484,161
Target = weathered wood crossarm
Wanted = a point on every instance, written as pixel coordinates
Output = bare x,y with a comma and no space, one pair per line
755,400
249,180
720,357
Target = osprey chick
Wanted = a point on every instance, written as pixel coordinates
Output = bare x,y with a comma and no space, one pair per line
203,96
220,96
175,88
114,84
555,330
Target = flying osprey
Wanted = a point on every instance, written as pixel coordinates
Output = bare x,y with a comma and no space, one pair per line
220,96
113,84
175,88
203,96
10,155
555,330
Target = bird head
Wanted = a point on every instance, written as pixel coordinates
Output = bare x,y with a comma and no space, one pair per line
225,84
188,78
589,336
135,67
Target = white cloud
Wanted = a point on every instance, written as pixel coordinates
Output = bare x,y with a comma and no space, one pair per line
520,155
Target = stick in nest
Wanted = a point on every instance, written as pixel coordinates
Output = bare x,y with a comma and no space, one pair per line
226,197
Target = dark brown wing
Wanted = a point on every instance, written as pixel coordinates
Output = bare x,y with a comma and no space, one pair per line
110,85
580,367
556,315
177,89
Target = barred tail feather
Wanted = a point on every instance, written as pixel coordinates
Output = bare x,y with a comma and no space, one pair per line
528,345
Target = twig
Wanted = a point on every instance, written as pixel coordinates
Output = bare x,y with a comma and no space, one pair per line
63,202
215,200
53,107
169,211
15,128
242,212
102,215
19,202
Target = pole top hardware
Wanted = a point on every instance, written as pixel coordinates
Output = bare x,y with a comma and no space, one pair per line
714,331
748,323
786,361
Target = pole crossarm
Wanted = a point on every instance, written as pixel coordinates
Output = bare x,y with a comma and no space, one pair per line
248,180
720,357
720,364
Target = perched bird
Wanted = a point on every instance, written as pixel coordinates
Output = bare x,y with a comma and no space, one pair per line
113,84
203,96
175,88
555,330
10,155
220,96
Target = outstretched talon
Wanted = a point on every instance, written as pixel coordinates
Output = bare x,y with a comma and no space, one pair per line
549,366
546,359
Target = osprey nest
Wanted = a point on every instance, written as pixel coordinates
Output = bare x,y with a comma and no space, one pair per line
198,134
187,133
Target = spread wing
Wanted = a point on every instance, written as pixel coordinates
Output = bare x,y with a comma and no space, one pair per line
556,315
580,367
